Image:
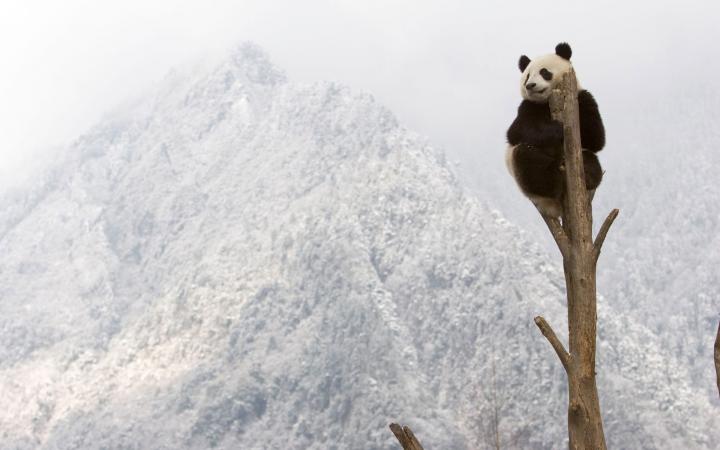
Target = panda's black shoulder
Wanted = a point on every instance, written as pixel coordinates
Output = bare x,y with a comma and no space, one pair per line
533,113
532,109
586,99
530,123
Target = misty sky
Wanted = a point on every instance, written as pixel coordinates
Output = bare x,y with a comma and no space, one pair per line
448,68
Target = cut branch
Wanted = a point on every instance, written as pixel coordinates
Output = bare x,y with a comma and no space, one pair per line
406,437
600,239
557,232
717,358
548,332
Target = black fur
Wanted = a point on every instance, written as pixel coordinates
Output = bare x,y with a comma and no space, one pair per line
563,50
593,171
523,63
537,170
533,125
538,140
592,131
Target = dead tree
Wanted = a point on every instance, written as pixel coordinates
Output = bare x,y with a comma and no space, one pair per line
580,255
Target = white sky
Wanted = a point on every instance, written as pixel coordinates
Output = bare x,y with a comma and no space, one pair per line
448,68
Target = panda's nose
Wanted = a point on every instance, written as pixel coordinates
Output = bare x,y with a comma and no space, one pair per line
529,85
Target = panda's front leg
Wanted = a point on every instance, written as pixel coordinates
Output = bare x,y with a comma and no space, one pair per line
547,135
554,142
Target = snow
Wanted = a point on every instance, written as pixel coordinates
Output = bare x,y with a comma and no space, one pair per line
240,261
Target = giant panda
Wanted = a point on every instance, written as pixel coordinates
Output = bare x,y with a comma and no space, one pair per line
535,141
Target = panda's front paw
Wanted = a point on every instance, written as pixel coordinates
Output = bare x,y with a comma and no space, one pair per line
556,132
550,152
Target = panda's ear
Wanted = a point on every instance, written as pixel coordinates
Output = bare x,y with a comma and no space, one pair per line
563,50
523,63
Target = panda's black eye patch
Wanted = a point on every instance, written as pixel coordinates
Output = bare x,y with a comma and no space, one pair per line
546,74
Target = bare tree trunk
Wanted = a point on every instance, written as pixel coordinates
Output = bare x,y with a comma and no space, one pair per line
580,255
717,358
406,437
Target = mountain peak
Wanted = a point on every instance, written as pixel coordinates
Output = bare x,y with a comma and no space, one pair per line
251,60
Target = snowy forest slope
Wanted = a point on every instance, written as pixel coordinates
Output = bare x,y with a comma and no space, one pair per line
666,251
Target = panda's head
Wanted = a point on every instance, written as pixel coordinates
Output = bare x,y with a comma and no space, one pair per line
540,75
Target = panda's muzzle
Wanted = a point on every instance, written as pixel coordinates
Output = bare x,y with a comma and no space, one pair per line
530,89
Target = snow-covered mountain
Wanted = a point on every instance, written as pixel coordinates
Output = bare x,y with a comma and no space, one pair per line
666,250
244,262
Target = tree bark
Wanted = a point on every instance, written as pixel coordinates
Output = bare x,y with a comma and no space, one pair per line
717,358
574,239
406,437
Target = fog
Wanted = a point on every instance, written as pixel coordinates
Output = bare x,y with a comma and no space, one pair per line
448,69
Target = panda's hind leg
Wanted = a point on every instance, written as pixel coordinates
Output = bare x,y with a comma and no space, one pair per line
593,170
550,207
537,171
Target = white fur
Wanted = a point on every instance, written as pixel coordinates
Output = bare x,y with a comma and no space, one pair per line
509,152
547,206
557,65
